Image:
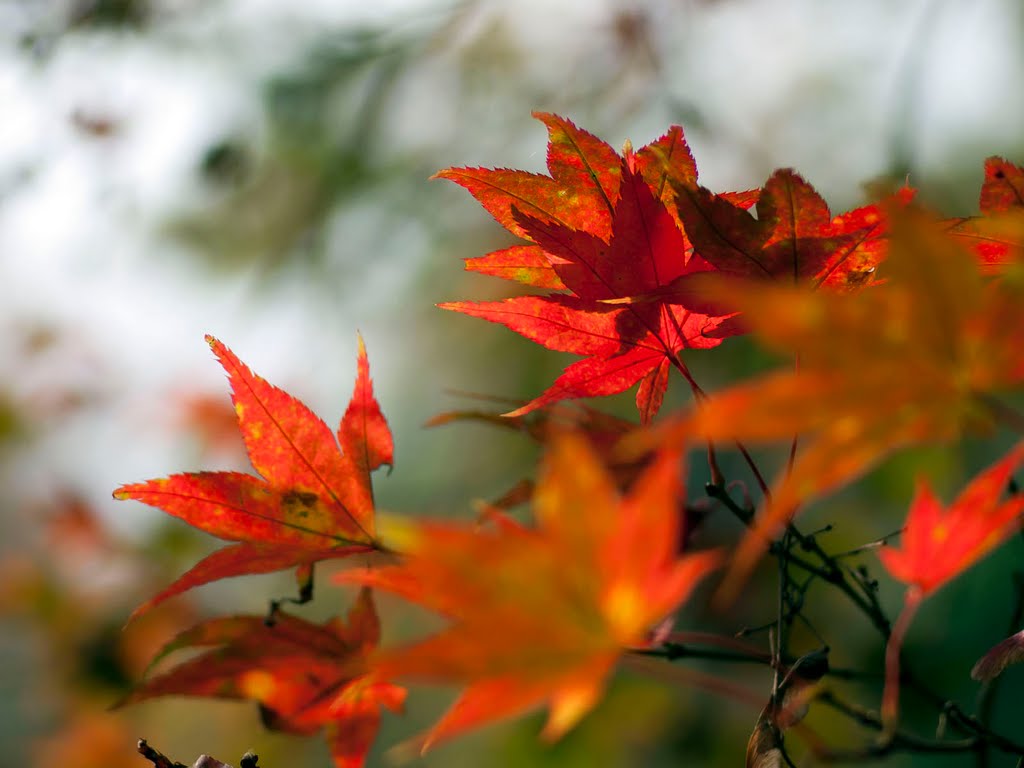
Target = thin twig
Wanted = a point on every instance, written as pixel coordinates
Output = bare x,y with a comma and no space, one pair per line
158,759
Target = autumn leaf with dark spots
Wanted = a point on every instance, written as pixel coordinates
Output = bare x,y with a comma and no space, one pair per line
312,500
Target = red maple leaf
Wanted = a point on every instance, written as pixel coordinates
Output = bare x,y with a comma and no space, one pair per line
793,237
612,313
998,233
580,194
311,502
305,676
938,544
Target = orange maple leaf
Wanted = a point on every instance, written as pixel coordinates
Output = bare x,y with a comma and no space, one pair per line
311,502
938,544
305,676
542,614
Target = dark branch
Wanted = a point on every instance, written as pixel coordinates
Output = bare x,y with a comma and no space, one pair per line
159,760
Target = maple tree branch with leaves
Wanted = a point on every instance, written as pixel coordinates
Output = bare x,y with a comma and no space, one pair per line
904,330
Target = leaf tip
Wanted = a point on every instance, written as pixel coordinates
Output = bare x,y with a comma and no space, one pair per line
134,616
444,173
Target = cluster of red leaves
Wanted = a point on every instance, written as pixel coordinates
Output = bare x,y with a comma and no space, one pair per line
620,237
313,501
546,620
603,237
902,328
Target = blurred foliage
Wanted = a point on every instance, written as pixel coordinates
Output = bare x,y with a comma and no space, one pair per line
110,13
279,197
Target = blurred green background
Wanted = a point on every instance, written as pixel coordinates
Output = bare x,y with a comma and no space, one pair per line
259,170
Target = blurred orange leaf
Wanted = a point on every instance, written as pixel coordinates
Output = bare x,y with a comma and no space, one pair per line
87,739
540,615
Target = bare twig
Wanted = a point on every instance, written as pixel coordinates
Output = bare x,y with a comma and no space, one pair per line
159,760
156,758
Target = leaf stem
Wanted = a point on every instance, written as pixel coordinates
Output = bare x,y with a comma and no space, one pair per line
891,693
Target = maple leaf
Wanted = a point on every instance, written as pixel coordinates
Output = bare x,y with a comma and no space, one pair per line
953,335
305,676
312,501
553,608
997,235
793,237
644,251
580,192
938,544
